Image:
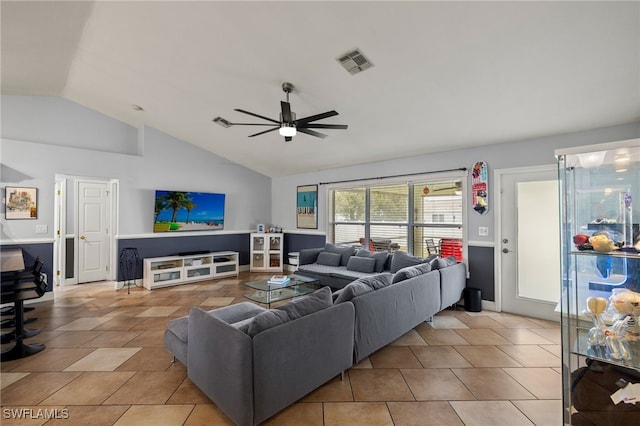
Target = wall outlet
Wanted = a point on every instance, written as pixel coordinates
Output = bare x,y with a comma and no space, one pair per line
483,230
41,229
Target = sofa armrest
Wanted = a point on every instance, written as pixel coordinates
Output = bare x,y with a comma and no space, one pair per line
453,279
220,363
309,255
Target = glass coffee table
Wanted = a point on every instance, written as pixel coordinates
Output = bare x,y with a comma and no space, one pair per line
267,293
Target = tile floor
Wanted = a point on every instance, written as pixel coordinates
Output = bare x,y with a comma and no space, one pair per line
104,364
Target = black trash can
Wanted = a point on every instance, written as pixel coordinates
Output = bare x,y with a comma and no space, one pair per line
472,299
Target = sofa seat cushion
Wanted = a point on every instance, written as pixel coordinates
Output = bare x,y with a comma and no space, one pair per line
322,269
179,327
346,274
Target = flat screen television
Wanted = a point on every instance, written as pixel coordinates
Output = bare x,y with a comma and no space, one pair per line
188,211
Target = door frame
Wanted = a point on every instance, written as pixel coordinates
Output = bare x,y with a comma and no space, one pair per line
497,176
60,220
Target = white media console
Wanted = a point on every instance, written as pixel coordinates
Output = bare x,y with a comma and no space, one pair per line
175,270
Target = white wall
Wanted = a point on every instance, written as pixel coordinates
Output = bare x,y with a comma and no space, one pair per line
517,154
167,163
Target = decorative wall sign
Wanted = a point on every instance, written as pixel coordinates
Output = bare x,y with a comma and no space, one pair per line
307,207
21,203
480,188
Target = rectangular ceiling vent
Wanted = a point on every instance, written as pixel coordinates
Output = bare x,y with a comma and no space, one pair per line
354,61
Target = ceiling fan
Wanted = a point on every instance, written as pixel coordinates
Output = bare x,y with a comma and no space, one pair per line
288,125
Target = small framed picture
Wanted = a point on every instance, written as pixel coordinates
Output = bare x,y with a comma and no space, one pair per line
307,207
20,203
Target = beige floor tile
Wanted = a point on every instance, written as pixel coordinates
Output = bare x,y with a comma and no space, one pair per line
531,356
542,412
356,414
435,384
119,323
149,387
514,321
128,312
307,414
111,339
423,413
94,415
53,359
394,357
482,336
153,323
551,334
155,415
483,321
486,356
90,388
491,384
440,337
208,415
544,383
412,338
103,359
83,324
440,357
446,322
158,311
217,301
545,323
335,390
553,349
8,378
379,385
72,339
490,413
522,336
35,387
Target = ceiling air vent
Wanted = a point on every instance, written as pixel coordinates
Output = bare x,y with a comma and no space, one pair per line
354,62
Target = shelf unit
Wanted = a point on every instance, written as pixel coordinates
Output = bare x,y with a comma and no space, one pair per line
175,270
266,252
599,193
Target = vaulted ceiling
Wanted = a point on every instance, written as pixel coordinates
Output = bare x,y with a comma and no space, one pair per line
445,75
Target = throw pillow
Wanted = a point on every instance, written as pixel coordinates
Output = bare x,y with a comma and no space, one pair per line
361,264
305,305
351,290
265,320
329,259
440,263
406,273
344,251
423,267
401,260
377,281
379,256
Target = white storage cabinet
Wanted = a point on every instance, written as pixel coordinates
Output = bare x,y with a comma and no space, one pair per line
174,270
266,252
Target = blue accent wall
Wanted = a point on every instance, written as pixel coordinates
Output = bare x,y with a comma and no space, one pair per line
481,272
174,245
297,242
31,251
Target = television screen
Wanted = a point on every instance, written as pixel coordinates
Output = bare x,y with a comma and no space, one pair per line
188,211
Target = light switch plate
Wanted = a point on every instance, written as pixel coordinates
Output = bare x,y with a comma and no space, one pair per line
41,229
483,230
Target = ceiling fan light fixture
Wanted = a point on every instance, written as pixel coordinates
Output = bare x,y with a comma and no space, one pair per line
286,130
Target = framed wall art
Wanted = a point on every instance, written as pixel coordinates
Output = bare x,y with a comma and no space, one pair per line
21,203
307,207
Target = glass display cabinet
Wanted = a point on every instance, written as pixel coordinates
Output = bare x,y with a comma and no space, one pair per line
600,303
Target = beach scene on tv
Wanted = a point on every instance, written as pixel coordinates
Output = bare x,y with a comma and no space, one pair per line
188,211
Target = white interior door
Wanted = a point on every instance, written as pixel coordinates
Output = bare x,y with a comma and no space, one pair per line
93,222
529,242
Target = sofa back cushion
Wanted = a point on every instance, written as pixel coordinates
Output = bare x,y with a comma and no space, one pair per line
401,260
361,264
379,256
440,263
297,308
329,259
361,286
344,251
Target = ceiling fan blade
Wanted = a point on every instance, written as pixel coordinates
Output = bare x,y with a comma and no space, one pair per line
251,124
288,138
322,126
263,132
286,111
316,117
312,132
257,115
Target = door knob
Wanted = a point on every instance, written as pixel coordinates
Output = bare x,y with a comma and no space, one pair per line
505,241
504,250
82,237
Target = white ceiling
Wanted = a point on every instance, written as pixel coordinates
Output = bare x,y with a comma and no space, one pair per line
446,75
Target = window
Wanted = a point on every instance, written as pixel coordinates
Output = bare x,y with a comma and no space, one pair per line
413,217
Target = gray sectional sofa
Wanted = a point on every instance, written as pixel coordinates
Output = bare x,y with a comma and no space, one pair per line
253,362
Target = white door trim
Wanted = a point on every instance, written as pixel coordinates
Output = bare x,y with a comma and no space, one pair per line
497,179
